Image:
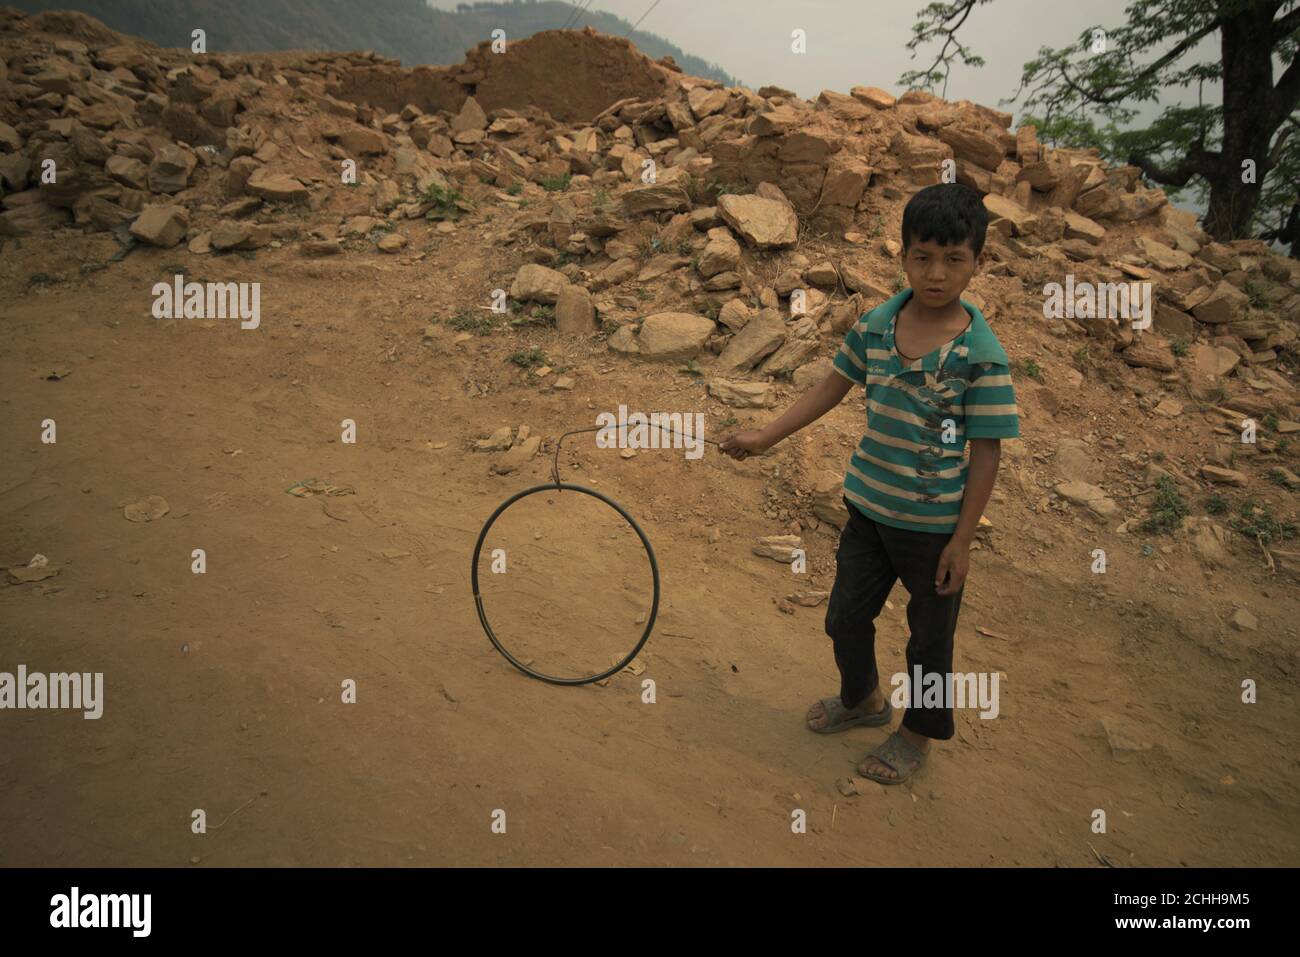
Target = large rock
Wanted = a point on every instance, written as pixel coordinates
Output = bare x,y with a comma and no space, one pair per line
664,196
363,141
1162,256
1224,303
828,498
873,96
743,395
801,344
1222,476
1210,542
1214,360
779,548
163,226
1149,355
32,218
721,254
470,117
1074,462
537,283
972,146
674,335
1081,227
127,171
760,337
705,102
170,170
763,223
574,312
518,456
845,183
15,172
1090,496
276,187
1000,207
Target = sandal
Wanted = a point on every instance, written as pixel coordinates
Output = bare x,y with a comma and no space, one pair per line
897,753
841,717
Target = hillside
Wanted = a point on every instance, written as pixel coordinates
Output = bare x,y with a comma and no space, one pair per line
520,183
409,30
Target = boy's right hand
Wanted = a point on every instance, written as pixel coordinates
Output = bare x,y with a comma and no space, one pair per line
741,445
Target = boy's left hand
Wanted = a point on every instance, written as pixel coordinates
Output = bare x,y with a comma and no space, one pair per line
954,563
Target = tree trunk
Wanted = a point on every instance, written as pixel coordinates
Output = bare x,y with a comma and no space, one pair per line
1247,128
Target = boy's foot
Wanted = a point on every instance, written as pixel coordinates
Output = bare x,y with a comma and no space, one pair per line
829,715
897,759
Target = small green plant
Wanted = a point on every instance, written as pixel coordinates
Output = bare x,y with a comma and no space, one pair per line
1030,369
691,368
556,184
1180,345
1278,477
1218,394
728,422
877,227
1083,355
1256,291
1257,521
539,316
1270,421
45,279
515,188
601,198
1216,504
1158,456
684,248
465,321
529,359
445,202
719,188
1167,511
900,281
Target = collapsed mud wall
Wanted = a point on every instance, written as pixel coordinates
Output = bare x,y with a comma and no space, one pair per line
573,75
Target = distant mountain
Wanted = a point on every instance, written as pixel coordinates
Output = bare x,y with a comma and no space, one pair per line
407,29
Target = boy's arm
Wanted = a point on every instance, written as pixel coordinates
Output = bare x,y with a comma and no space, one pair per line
812,405
981,472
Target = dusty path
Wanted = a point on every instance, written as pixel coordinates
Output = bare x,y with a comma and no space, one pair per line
223,690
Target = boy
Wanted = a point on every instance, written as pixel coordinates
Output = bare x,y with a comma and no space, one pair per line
935,377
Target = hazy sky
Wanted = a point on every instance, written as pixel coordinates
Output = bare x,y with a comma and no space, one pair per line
860,42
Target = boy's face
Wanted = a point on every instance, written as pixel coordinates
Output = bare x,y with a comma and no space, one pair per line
938,274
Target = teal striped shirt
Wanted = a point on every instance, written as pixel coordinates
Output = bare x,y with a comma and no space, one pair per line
909,470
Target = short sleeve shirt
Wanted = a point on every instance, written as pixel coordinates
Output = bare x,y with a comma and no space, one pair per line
909,470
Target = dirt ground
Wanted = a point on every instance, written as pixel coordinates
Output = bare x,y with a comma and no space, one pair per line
222,690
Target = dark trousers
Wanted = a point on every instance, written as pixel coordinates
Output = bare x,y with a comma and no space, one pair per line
870,558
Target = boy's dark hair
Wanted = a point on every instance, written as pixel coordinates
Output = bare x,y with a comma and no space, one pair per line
947,213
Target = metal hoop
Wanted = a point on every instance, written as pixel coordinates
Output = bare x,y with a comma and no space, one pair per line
478,598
